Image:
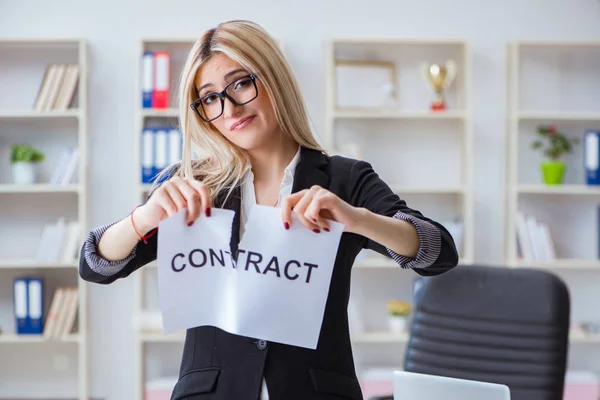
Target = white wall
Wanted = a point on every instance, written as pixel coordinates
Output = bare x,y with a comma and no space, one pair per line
114,26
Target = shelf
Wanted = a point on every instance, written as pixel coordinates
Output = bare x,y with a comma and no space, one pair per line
584,338
557,44
12,338
399,41
38,188
381,337
31,114
160,113
157,337
35,264
25,66
395,114
565,263
565,189
558,116
41,41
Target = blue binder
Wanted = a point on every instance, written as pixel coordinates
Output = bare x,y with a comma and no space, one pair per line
35,306
161,150
147,78
591,156
148,158
28,301
20,305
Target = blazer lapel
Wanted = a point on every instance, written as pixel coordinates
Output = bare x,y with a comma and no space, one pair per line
311,170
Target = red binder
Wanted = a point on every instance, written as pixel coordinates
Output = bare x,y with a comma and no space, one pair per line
162,79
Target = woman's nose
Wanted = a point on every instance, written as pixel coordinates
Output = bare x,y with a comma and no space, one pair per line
230,109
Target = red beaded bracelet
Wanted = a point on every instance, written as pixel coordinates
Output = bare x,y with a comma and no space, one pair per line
141,238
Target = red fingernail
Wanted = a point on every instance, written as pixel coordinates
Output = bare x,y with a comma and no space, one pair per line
316,231
314,220
287,225
190,223
326,229
208,212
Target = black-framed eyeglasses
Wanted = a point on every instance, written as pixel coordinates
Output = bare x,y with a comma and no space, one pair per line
241,91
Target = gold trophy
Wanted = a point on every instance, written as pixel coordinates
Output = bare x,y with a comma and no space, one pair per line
439,77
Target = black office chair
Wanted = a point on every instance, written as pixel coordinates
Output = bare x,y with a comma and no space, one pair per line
493,324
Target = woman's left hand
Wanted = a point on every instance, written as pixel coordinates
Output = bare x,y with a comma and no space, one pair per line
315,205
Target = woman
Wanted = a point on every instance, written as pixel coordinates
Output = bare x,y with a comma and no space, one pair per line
248,117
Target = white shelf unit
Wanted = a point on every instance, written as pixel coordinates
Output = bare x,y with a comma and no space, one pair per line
554,83
60,367
425,156
157,356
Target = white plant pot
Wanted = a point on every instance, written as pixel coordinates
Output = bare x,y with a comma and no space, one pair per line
397,324
23,173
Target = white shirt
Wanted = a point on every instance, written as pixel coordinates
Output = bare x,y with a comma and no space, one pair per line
249,196
249,199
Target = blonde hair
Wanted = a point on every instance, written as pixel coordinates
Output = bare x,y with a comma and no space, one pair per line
222,164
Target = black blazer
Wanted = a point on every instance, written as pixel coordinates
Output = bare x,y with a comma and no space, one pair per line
217,365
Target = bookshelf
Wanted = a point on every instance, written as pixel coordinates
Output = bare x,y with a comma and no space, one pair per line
553,83
378,109
156,356
59,366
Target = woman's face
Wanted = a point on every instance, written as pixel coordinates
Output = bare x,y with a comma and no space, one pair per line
248,126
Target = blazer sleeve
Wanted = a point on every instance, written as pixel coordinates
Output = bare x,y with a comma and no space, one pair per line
437,251
94,268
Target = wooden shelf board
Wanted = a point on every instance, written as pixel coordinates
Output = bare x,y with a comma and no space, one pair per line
32,114
12,338
35,264
397,114
564,189
10,188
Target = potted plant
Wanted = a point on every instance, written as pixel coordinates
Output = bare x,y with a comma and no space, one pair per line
553,144
398,313
24,159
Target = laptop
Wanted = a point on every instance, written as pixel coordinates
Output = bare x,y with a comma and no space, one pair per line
414,386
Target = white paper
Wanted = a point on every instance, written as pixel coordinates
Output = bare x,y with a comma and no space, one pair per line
252,297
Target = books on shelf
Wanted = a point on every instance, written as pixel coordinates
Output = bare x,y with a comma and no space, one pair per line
160,147
534,240
156,79
29,305
66,167
57,88
62,313
60,241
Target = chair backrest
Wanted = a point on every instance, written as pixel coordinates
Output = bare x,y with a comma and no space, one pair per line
493,324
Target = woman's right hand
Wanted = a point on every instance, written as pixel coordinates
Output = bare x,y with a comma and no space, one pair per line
171,197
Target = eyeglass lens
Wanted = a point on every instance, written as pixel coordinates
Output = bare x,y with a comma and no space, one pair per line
241,91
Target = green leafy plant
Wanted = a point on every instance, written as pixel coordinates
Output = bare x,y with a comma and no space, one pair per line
398,308
552,142
25,153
